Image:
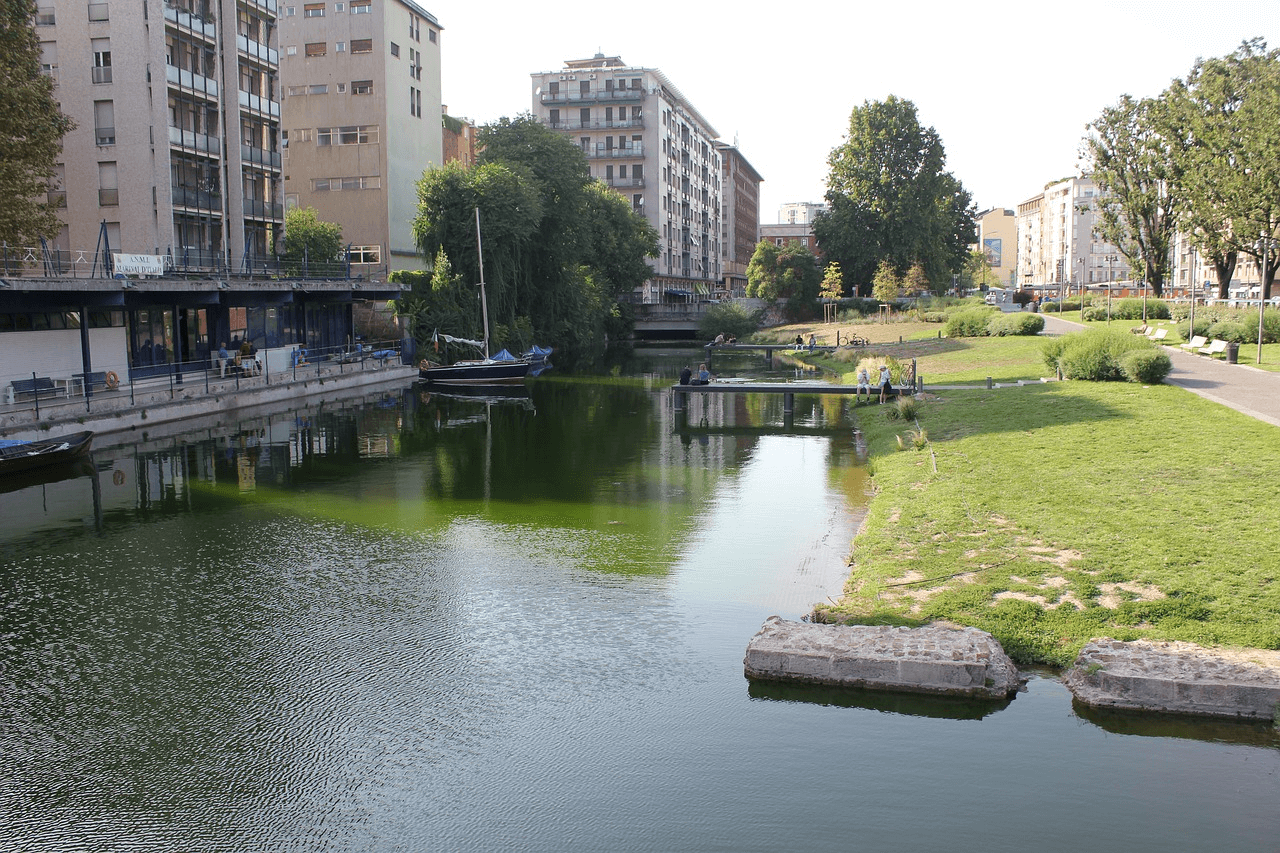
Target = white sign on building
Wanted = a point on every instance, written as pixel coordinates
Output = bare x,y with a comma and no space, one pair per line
139,264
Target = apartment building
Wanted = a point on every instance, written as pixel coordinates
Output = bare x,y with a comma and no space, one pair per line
459,139
176,145
1057,245
799,212
740,219
645,139
362,120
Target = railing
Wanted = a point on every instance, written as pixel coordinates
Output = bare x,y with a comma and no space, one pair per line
185,79
259,51
200,199
108,197
635,151
624,182
257,155
195,141
601,124
259,104
191,22
205,376
594,95
101,73
263,209
104,136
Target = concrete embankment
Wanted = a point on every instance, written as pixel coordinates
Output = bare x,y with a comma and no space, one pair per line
1178,678
148,406
939,660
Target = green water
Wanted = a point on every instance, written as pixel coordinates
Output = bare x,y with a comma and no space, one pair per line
423,623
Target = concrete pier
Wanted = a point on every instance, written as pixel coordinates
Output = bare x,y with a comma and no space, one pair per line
948,661
1177,678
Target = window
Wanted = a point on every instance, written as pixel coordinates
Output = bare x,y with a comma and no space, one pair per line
101,60
289,11
313,10
340,47
318,89
637,171
362,87
99,12
362,45
45,17
361,7
362,134
342,88
291,50
339,7
316,48
431,34
324,185
395,49
108,187
104,122
365,255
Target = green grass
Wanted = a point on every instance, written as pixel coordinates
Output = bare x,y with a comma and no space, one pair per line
1048,496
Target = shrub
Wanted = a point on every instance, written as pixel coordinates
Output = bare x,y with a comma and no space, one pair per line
1201,327
970,323
1095,355
730,319
907,408
1232,330
934,316
1130,308
1004,325
1146,366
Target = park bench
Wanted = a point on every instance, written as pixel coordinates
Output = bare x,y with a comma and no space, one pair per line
1195,343
34,388
1214,348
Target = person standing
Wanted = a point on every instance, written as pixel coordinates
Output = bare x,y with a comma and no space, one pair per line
223,358
886,382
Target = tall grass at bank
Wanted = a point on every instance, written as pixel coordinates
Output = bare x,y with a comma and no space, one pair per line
1069,511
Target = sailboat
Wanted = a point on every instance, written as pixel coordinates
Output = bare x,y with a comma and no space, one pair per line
492,369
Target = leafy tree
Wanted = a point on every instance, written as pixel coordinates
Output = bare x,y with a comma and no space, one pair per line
311,245
914,282
889,197
730,319
1132,163
1226,118
887,284
787,272
832,282
617,241
31,130
977,272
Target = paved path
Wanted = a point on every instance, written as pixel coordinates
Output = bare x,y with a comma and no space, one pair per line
1242,387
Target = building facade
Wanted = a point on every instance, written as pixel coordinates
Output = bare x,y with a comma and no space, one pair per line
998,242
782,233
459,140
362,120
642,137
740,219
177,110
799,212
1058,248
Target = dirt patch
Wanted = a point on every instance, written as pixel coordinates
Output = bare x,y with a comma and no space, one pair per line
1111,598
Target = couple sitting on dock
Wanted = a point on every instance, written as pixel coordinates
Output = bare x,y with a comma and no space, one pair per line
703,378
864,383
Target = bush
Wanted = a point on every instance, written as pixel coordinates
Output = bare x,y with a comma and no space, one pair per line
1004,325
969,323
1233,330
1062,307
934,316
1095,355
907,407
1130,308
1146,366
730,319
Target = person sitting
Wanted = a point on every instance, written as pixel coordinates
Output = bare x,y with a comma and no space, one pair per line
685,375
704,376
813,342
886,382
719,340
799,341
864,383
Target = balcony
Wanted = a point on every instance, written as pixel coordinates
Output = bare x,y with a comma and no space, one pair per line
196,198
269,5
601,124
258,51
101,74
635,152
193,141
262,157
612,96
191,22
104,136
263,209
190,81
623,183
258,104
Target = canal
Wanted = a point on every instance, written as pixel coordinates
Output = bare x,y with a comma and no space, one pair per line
419,622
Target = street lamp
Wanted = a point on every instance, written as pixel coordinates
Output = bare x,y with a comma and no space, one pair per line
1192,279
1110,258
1262,280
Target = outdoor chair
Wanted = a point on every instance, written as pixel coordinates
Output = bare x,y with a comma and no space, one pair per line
1195,343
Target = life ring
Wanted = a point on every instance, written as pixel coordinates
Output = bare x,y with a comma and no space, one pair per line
111,380
118,478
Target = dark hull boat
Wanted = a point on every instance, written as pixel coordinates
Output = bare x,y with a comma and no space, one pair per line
18,456
485,372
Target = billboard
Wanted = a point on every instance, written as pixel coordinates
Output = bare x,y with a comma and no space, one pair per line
991,248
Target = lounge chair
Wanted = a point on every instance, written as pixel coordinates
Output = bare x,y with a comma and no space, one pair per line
1195,343
1214,348
1141,330
1158,334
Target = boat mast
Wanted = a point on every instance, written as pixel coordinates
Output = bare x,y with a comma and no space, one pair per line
484,302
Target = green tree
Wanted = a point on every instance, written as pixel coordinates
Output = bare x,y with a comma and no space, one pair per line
617,241
889,197
886,286
914,283
832,282
1132,163
977,272
31,130
787,272
311,245
1226,118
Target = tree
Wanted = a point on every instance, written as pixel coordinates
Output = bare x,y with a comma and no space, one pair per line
977,272
914,282
787,272
886,286
1226,119
311,245
889,197
1132,164
832,282
31,131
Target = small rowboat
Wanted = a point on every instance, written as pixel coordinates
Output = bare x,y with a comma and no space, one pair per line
18,456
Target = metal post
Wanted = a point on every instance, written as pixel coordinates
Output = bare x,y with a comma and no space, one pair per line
1262,282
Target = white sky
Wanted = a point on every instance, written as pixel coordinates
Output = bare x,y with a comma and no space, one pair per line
1009,86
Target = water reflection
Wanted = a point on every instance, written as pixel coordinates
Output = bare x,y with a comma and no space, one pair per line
916,705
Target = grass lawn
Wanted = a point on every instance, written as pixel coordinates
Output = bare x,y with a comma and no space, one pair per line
1068,511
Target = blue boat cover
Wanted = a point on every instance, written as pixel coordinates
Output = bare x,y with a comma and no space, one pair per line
538,352
503,355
